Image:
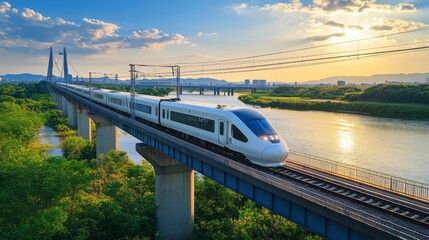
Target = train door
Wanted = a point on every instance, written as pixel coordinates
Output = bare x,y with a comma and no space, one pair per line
222,132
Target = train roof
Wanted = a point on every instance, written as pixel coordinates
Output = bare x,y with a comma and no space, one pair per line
195,104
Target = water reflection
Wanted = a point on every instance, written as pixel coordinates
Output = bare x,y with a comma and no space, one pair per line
345,136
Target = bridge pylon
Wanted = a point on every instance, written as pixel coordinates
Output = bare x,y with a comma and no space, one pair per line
50,76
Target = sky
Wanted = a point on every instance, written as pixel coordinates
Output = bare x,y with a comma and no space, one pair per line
287,39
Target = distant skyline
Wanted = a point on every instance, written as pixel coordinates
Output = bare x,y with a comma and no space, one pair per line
106,36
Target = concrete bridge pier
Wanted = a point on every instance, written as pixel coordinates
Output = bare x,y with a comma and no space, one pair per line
216,91
83,124
64,106
106,135
72,114
56,98
174,189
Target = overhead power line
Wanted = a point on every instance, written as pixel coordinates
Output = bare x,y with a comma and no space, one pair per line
297,62
297,50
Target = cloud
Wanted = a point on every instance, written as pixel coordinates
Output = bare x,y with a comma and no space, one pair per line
153,38
407,7
396,25
331,23
238,7
335,24
356,27
325,37
295,5
31,31
327,6
202,34
4,7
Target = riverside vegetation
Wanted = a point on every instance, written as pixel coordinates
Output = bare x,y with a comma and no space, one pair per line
402,101
78,197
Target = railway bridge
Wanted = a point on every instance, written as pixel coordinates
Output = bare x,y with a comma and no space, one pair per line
334,201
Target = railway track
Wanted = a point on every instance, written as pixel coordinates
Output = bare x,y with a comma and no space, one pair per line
403,208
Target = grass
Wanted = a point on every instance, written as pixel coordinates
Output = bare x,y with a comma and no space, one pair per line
397,110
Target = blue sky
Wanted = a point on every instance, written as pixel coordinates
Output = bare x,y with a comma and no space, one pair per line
105,36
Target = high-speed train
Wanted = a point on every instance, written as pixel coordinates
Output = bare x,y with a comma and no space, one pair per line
239,129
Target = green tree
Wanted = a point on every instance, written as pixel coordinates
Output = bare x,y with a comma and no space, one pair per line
73,147
36,195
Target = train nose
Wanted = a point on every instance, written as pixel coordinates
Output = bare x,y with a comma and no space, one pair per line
274,156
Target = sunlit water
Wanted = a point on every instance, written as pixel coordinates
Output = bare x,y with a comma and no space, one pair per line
392,146
49,136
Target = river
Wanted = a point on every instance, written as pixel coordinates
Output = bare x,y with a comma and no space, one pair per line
392,146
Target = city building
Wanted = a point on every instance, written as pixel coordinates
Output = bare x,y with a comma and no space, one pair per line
259,82
427,80
341,83
247,82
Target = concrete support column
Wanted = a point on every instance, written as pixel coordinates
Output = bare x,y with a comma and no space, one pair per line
174,189
64,106
58,101
83,124
106,135
72,114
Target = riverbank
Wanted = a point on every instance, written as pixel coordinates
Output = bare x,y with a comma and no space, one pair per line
395,110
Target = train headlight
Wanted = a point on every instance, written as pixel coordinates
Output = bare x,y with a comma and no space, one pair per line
270,138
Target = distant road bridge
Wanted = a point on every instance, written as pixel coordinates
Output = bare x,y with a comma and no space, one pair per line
227,89
373,206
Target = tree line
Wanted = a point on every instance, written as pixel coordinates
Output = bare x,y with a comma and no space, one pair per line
385,93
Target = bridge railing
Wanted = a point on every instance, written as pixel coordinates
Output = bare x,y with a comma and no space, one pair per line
377,179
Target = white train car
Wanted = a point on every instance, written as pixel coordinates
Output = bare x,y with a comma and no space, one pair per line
242,130
147,108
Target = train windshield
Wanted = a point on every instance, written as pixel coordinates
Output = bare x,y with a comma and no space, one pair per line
255,121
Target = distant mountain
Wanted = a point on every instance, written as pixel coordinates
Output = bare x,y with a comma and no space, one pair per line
23,77
377,78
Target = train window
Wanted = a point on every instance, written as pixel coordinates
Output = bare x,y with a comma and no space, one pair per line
116,101
237,134
97,95
193,121
163,113
260,127
143,108
255,121
221,128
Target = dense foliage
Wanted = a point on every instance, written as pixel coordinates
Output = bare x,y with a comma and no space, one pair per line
393,94
57,198
403,101
78,197
379,93
318,92
222,214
